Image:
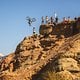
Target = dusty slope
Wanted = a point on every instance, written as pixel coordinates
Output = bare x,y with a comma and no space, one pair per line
35,52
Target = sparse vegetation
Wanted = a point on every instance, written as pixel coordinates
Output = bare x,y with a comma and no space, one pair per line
51,75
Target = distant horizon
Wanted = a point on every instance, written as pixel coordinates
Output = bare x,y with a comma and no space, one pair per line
13,13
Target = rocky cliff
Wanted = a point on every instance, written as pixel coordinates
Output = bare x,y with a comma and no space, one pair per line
36,54
66,28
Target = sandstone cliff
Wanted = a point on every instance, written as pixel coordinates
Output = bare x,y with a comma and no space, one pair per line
36,54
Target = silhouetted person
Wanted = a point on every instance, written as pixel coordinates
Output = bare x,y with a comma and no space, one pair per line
55,15
68,18
34,30
75,18
52,20
42,20
56,20
79,19
64,19
47,19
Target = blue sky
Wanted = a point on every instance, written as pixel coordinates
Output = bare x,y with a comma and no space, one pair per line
13,24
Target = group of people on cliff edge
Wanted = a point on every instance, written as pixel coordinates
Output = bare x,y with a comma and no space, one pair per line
50,20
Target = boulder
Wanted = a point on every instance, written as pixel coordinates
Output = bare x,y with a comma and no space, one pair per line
75,46
68,64
66,75
45,29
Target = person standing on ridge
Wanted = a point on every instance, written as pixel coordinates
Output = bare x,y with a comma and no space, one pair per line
52,20
42,20
34,30
69,19
47,19
64,20
56,17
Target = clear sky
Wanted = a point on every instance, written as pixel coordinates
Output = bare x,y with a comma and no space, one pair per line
13,24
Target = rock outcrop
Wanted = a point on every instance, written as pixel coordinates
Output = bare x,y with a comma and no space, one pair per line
45,29
66,28
37,53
